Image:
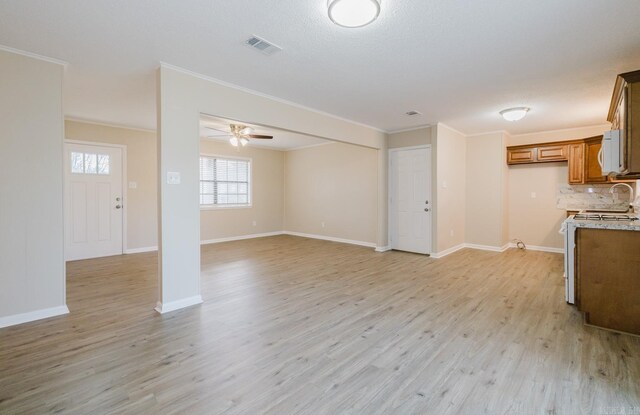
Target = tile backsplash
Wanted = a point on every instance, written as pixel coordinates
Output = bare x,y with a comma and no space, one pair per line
592,196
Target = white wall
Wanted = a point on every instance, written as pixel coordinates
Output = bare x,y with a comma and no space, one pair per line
141,203
449,187
32,276
536,220
335,184
486,190
267,171
182,98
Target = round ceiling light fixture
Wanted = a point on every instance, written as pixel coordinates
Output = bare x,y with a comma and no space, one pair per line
514,114
353,13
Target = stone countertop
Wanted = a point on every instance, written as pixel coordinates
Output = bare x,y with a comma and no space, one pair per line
624,225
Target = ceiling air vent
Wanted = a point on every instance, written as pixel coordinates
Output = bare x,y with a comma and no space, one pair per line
413,113
262,45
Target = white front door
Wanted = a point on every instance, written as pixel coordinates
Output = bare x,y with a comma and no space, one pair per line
93,201
411,205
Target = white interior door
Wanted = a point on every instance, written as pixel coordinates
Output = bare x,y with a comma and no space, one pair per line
93,202
410,200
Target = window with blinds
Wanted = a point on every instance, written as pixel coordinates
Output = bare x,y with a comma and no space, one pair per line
225,182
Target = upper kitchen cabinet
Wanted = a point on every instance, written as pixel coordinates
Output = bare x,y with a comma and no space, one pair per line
592,167
624,115
584,163
537,153
582,155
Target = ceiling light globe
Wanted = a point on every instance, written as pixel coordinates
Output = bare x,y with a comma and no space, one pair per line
246,130
234,141
353,13
244,141
514,114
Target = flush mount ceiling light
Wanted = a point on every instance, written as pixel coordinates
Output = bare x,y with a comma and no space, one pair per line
514,114
353,13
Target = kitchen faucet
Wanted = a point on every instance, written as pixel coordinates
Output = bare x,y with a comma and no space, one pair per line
630,191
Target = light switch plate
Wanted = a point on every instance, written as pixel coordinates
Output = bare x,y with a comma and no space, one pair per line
173,177
133,185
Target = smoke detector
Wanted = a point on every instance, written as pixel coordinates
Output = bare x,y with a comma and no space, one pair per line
262,45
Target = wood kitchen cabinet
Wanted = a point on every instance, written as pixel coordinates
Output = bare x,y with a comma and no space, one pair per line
582,156
592,167
552,153
608,278
521,155
624,114
537,153
576,163
584,167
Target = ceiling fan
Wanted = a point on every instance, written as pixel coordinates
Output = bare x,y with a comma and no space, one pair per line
240,134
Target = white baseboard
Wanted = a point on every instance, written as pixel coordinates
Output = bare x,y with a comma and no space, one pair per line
331,238
383,248
177,305
488,247
239,238
446,252
140,250
541,248
33,316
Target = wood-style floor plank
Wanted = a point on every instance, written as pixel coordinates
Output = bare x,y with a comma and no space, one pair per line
299,326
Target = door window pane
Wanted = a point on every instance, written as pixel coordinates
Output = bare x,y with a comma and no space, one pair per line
90,163
77,162
103,164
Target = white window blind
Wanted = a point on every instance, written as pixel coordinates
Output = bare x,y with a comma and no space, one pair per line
224,182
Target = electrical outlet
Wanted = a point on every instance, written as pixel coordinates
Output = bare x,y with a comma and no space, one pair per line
533,195
254,223
444,184
173,177
322,224
451,232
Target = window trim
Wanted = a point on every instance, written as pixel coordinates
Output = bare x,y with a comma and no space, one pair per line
250,185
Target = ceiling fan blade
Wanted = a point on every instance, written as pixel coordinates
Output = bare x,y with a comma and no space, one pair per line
266,137
219,136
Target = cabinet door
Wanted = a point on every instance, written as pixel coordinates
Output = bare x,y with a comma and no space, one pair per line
592,167
576,163
524,155
609,278
552,153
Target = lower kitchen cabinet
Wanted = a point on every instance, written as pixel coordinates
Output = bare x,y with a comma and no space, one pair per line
608,278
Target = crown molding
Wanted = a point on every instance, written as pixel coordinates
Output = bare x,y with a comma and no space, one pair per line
106,124
33,55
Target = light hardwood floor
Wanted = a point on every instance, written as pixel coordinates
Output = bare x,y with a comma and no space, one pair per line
299,326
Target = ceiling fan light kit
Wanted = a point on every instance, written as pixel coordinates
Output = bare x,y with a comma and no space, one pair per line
353,13
240,135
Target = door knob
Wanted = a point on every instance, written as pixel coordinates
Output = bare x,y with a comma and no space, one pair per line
118,206
426,209
426,202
